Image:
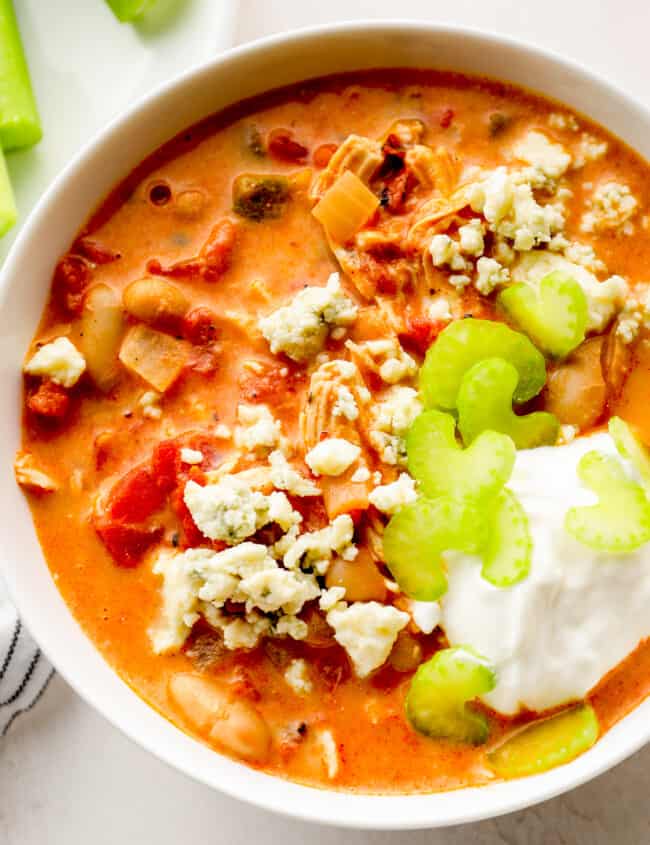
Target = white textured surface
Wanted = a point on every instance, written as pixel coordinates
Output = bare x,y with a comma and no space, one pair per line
66,776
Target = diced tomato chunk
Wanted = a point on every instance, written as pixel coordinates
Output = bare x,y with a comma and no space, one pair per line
273,385
396,192
217,249
312,510
323,154
446,118
126,543
420,333
50,401
196,474
386,285
281,145
166,465
200,326
71,278
136,496
357,516
191,534
212,261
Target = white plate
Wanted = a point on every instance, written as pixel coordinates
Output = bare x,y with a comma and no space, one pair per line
87,67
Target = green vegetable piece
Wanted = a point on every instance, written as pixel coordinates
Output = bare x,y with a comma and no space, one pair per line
485,404
444,469
20,125
631,448
436,703
545,745
509,548
129,10
420,532
553,314
260,197
8,212
620,522
465,342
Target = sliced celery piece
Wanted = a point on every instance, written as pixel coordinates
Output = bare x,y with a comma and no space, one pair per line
620,522
553,314
129,10
8,212
509,547
20,125
485,404
631,448
420,532
436,703
443,468
465,342
545,745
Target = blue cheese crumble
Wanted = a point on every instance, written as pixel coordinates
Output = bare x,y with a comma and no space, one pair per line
332,456
60,361
300,329
230,511
390,419
367,631
200,581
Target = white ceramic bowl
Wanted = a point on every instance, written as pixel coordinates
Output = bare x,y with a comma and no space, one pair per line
23,288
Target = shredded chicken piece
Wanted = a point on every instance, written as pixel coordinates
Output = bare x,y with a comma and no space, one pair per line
434,169
374,536
391,236
369,276
29,476
360,155
409,131
392,315
336,404
384,357
437,215
226,467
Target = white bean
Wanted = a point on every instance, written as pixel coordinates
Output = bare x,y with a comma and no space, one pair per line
229,722
102,326
155,301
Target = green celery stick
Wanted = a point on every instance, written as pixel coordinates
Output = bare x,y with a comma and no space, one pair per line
437,700
8,212
485,404
20,125
129,10
544,745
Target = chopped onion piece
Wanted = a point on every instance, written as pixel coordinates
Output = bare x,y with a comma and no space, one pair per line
156,357
345,207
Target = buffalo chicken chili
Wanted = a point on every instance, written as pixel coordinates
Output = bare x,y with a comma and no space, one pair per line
334,431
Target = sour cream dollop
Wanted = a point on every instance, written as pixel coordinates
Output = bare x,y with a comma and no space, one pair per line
553,636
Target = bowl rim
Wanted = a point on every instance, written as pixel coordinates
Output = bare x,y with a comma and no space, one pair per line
360,813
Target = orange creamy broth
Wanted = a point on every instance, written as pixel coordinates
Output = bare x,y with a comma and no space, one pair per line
378,750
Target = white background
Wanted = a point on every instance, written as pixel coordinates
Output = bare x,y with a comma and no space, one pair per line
66,776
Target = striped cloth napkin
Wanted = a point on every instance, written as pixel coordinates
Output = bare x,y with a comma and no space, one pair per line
24,671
